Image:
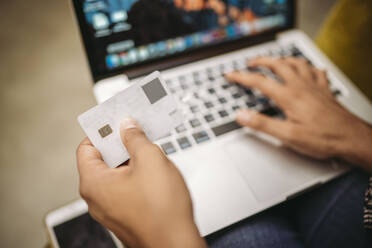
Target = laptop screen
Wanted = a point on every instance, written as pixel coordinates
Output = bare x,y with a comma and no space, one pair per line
121,33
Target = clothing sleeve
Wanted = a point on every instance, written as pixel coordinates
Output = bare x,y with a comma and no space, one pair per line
368,207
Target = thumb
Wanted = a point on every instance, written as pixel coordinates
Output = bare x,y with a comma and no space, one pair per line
132,136
280,129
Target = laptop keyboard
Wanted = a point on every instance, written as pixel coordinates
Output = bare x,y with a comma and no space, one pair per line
208,101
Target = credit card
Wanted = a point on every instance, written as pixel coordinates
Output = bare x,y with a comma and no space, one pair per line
149,102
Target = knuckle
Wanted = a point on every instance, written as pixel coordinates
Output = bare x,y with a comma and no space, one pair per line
157,149
99,215
286,97
296,60
147,150
84,192
324,75
255,121
131,134
79,150
302,61
291,134
297,94
288,60
256,75
94,214
81,147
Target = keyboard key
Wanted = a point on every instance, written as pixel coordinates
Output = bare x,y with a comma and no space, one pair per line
237,95
195,123
181,128
271,111
296,52
257,69
167,135
200,137
208,105
184,143
222,100
211,91
226,86
251,104
235,65
235,107
223,113
284,52
184,86
225,128
209,117
249,92
263,101
336,92
182,79
218,74
168,148
198,82
194,109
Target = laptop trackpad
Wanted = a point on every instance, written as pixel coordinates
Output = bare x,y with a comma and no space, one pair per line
271,171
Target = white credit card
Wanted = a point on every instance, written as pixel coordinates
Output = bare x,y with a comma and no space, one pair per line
149,102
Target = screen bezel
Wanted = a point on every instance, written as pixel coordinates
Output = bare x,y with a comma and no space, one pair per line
184,57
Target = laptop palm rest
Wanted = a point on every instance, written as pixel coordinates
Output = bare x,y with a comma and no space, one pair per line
273,171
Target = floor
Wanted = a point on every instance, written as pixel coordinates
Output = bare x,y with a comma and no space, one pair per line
44,86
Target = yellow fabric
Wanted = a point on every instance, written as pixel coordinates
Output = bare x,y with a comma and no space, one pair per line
346,37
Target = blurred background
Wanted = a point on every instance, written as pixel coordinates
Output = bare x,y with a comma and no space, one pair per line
44,86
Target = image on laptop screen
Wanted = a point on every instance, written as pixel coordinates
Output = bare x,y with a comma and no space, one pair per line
127,32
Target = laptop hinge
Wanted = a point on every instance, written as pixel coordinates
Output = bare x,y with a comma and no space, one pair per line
193,56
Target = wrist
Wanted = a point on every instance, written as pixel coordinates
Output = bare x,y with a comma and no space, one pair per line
180,234
357,148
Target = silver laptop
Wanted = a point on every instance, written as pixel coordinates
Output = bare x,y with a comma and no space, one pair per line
232,173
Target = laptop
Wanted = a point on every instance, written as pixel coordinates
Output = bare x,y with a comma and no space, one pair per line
232,172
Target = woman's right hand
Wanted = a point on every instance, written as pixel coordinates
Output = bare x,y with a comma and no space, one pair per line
316,124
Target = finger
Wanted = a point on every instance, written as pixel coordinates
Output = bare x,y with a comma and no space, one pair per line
89,159
277,66
133,137
321,78
278,128
267,86
302,67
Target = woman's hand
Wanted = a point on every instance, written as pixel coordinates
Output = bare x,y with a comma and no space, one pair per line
316,124
146,203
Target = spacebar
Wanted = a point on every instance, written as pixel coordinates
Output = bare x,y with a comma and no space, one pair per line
225,128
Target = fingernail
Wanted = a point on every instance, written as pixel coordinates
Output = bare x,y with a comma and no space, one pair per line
128,123
229,76
243,116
